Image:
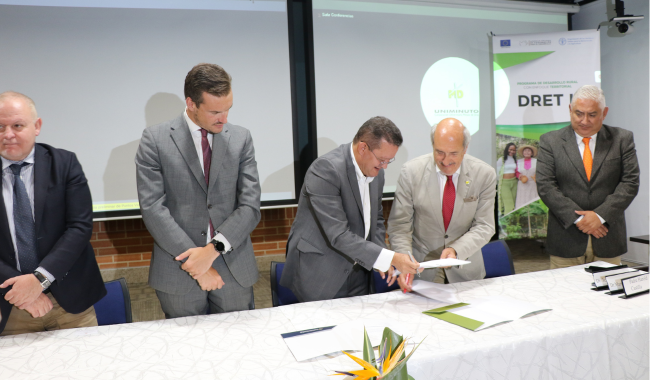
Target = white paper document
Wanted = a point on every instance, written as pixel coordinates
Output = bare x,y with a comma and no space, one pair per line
442,263
308,344
438,292
439,263
494,310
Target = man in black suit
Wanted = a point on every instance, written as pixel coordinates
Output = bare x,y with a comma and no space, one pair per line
48,273
587,175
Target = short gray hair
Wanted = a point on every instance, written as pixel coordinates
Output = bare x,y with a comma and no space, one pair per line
466,135
17,95
590,92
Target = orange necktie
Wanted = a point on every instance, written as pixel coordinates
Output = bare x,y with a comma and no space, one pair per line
587,160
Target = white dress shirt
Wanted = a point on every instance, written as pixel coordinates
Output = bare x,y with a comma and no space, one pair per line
27,176
385,256
442,181
592,148
195,131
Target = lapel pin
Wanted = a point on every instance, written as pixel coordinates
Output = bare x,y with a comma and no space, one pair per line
466,182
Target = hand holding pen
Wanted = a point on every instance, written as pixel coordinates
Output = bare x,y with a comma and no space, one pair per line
408,275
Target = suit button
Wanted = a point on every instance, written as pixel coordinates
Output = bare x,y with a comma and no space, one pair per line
203,233
446,236
209,207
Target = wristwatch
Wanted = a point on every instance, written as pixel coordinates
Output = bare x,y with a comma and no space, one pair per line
218,246
45,283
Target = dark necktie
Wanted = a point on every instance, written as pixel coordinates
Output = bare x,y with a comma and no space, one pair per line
448,199
207,159
24,224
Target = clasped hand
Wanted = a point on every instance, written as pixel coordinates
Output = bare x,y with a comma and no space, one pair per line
199,260
27,294
591,224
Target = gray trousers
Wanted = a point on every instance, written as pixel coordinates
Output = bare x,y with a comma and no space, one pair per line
231,297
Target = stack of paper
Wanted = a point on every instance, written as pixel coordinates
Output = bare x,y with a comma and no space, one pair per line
486,312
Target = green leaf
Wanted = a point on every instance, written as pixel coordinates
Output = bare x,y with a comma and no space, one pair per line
399,372
368,352
392,339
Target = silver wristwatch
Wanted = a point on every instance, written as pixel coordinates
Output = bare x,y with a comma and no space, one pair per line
45,283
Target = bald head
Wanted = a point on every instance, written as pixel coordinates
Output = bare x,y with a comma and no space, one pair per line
450,139
23,100
450,128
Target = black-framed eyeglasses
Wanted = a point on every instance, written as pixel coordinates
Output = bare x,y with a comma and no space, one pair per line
380,161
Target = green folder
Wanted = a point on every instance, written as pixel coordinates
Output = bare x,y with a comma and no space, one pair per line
444,314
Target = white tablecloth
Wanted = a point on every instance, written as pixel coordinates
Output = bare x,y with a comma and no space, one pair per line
587,335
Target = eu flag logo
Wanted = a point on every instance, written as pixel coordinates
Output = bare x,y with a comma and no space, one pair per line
505,43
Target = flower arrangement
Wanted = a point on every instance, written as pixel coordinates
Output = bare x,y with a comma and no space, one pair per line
391,364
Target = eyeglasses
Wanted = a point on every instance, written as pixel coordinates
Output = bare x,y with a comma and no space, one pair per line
380,161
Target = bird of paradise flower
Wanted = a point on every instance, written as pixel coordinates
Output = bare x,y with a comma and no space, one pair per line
391,364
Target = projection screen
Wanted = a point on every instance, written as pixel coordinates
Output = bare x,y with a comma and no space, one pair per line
101,71
415,62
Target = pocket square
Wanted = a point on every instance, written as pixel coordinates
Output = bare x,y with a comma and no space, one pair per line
470,199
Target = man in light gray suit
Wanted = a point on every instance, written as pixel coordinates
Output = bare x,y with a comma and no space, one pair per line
338,235
587,175
444,206
199,195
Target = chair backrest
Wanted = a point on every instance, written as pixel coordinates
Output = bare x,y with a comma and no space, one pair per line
497,259
279,294
115,307
380,285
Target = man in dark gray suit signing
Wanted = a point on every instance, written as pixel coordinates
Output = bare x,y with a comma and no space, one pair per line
587,175
199,195
338,235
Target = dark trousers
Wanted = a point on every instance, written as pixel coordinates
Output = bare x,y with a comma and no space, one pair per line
357,283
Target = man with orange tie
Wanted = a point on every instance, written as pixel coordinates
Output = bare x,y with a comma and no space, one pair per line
587,175
444,206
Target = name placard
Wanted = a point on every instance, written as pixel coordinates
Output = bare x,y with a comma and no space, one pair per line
600,280
614,281
635,285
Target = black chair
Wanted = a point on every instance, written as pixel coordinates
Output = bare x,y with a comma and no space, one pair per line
115,307
497,259
380,285
280,295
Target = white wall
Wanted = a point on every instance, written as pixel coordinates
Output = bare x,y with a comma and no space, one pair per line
624,69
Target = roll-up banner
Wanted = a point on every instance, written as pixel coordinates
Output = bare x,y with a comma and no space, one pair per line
535,76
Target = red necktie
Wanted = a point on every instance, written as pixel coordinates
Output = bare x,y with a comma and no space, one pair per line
448,199
207,158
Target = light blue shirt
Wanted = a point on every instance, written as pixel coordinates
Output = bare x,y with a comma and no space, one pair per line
27,175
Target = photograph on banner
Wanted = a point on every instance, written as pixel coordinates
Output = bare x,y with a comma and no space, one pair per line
535,76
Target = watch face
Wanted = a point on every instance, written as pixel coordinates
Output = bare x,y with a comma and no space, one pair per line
220,246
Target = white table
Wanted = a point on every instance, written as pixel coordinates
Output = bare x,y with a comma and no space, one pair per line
587,335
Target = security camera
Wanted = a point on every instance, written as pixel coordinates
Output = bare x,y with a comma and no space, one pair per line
624,22
625,27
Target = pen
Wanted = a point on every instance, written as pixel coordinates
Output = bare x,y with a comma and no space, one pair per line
408,275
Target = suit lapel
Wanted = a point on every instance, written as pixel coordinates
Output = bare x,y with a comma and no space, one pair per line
7,250
219,147
42,170
183,139
352,177
571,148
433,193
603,143
374,194
464,182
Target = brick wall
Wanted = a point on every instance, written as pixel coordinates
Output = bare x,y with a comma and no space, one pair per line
127,243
